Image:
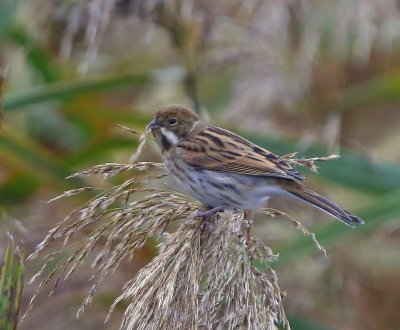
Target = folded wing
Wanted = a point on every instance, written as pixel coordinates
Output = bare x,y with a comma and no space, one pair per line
217,149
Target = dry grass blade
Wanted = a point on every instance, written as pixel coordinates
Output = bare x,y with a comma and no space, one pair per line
308,162
297,224
142,141
70,193
110,169
129,129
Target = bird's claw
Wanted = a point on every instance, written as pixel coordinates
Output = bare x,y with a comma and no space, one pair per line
209,213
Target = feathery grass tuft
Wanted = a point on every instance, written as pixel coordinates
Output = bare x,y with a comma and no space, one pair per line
307,162
203,277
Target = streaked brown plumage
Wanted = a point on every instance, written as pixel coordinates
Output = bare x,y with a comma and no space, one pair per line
224,170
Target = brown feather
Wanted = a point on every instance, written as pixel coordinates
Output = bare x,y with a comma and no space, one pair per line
325,204
229,152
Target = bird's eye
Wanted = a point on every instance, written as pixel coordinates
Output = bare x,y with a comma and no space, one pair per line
173,121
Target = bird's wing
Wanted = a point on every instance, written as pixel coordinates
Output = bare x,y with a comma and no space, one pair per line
217,149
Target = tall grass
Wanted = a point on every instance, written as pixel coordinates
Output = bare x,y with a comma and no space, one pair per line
12,279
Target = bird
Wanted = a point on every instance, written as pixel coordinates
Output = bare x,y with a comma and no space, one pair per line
225,171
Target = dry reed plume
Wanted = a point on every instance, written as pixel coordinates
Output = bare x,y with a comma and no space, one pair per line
203,276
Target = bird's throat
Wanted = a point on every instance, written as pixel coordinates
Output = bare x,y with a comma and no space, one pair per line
168,139
165,144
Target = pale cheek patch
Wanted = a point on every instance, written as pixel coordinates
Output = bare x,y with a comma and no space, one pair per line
171,137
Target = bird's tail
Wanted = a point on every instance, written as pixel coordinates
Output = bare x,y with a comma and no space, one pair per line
325,205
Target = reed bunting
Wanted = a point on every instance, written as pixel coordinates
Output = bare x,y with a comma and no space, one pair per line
225,171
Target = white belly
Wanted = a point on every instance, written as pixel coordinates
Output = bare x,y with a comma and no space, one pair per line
221,189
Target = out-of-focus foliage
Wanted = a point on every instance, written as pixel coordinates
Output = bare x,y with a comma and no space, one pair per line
311,76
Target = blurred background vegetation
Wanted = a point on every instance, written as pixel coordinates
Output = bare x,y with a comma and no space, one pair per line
317,77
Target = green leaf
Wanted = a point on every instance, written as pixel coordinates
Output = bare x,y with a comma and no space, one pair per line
7,15
31,156
298,322
11,286
66,89
38,57
123,118
95,151
17,188
384,88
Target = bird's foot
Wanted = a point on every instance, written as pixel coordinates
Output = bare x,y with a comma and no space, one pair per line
209,213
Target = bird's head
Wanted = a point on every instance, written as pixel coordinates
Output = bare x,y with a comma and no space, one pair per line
174,123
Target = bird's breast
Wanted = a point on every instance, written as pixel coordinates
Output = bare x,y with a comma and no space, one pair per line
220,189
176,167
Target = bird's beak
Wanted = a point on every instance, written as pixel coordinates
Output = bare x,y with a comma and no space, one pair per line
153,124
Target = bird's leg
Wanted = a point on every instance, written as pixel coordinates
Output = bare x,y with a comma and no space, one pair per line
246,227
209,213
247,214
